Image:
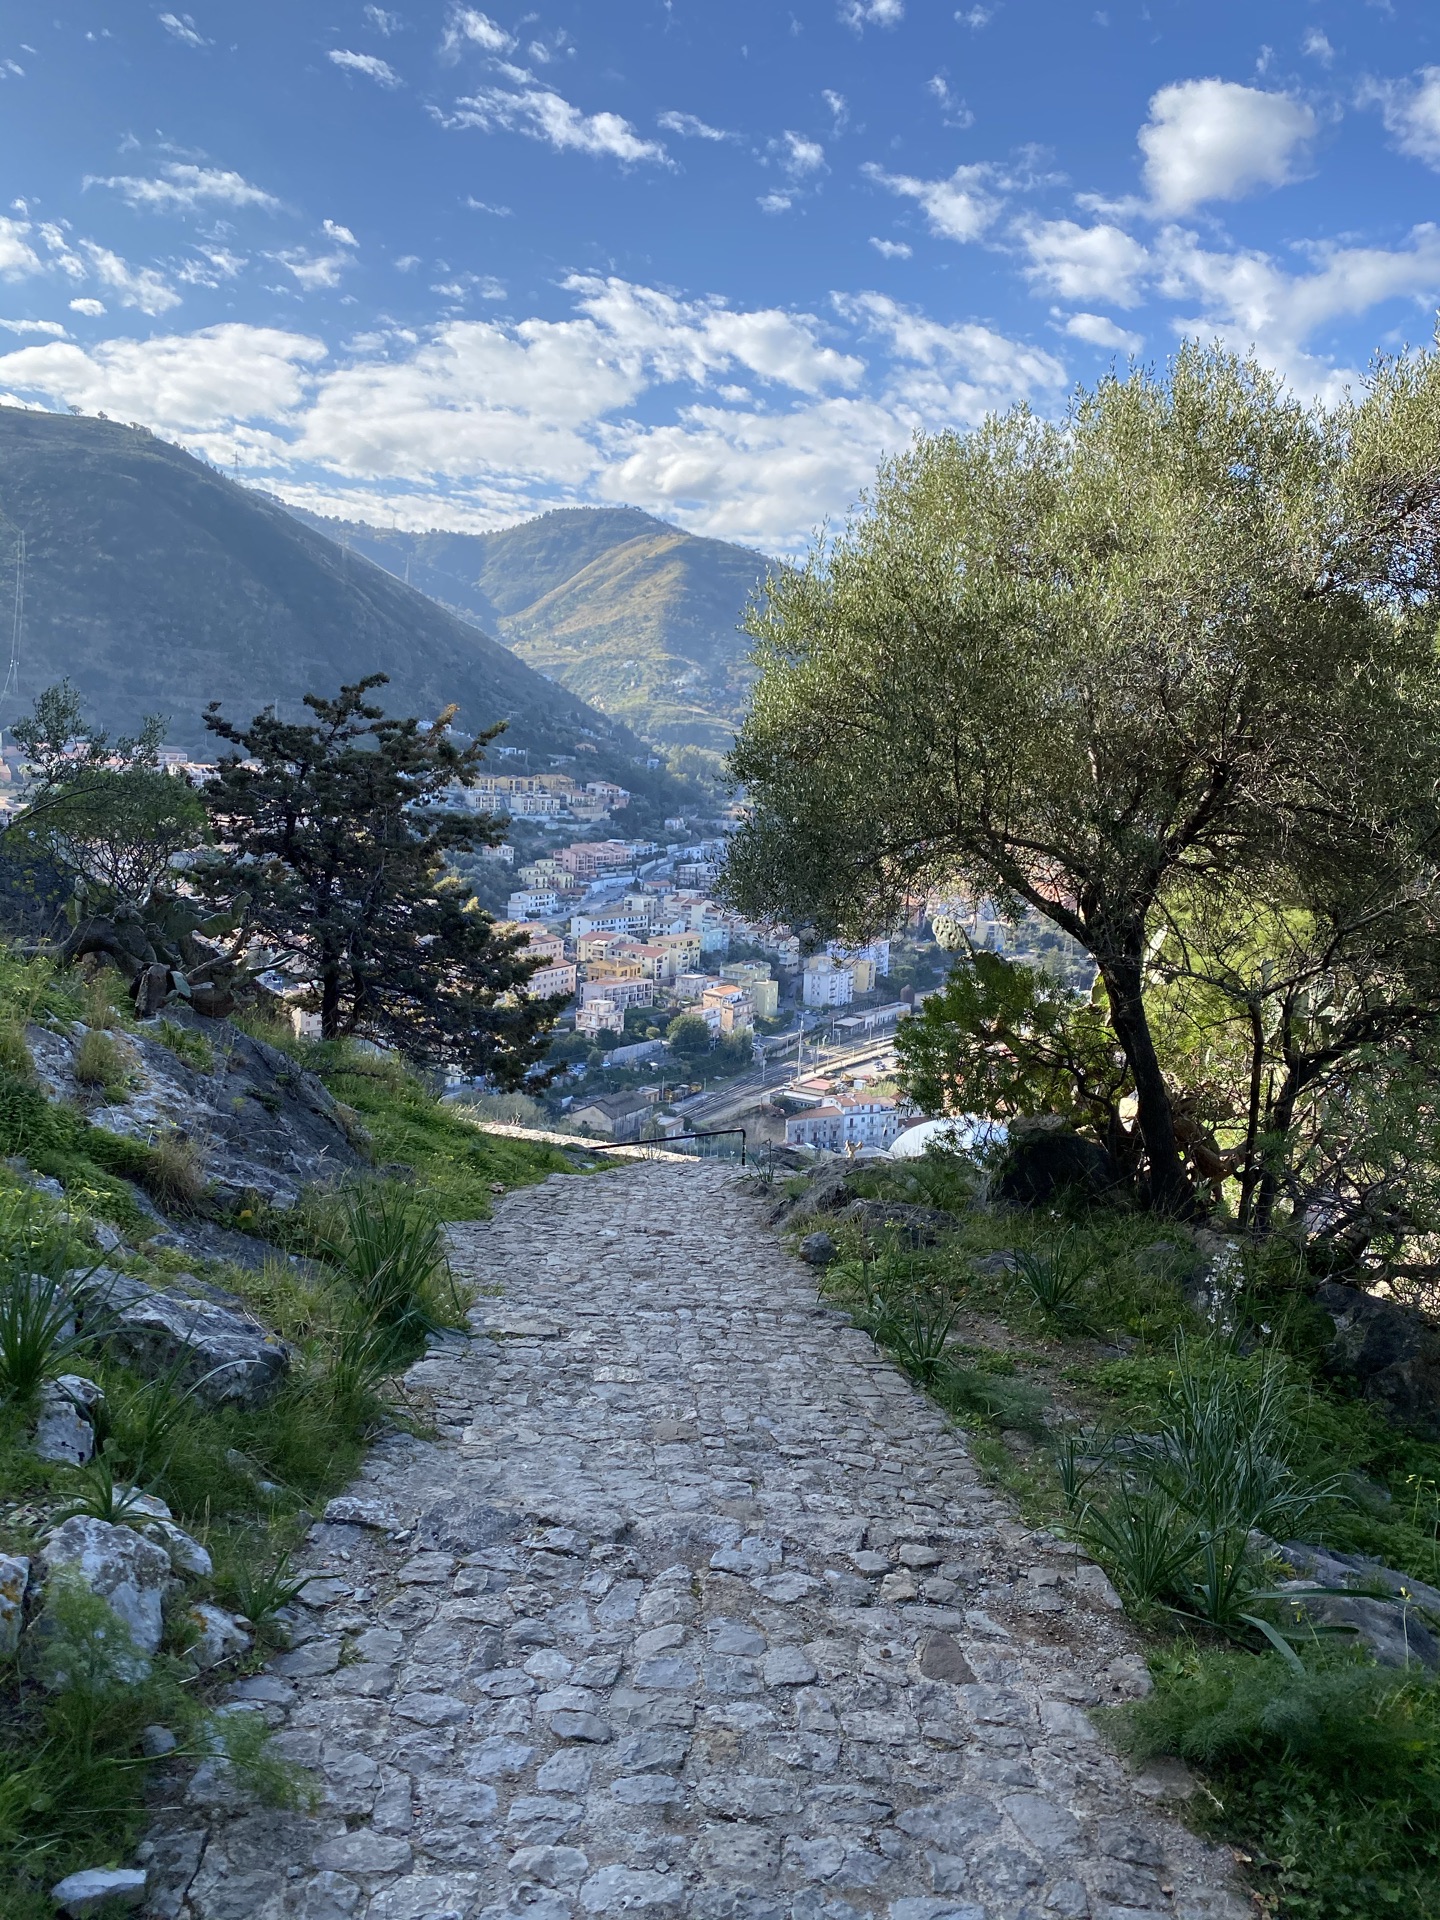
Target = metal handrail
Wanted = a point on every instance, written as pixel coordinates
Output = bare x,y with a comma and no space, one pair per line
626,1146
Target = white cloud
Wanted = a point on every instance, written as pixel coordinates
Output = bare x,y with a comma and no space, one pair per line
180,382
976,18
544,115
210,267
1411,111
383,22
839,109
482,421
182,27
342,236
1215,140
370,64
957,114
1098,331
1317,46
313,271
691,128
959,208
92,309
775,202
52,328
891,249
879,13
186,189
1085,263
1246,299
139,287
800,156
467,27
980,369
17,257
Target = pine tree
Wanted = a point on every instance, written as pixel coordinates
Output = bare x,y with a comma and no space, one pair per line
332,835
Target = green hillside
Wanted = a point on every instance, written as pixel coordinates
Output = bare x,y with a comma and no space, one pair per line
155,584
638,618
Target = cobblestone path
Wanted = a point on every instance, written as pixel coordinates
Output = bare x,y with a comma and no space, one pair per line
695,1607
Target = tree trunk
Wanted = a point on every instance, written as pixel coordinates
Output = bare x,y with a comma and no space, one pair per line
330,981
1170,1191
1249,1171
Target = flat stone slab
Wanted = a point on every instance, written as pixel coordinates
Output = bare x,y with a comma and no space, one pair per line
694,1608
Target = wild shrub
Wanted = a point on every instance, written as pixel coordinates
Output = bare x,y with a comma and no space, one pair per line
1171,1511
99,1062
187,1045
387,1246
1328,1777
72,1774
37,1328
1055,1283
174,1173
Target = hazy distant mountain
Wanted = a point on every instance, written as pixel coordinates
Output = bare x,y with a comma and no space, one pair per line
635,616
157,585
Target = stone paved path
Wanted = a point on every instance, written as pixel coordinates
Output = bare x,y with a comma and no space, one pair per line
694,1608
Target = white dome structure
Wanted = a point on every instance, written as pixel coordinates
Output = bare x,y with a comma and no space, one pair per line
958,1133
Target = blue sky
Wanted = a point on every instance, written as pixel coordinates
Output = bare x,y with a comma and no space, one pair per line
430,265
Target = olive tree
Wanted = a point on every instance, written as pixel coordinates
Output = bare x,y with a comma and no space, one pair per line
1187,630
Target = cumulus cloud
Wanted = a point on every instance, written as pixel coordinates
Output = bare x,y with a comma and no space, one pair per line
960,208
182,382
1085,263
1098,331
1411,111
313,272
1247,300
342,236
544,115
878,13
18,258
92,309
181,27
799,155
467,27
980,368
890,249
1216,140
51,328
186,189
689,127
370,64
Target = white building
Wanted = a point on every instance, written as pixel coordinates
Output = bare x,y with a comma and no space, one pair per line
849,1120
535,903
601,1016
823,984
875,951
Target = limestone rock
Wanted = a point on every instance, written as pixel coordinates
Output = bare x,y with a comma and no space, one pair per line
221,1637
1038,1166
1391,1351
1397,1632
64,1431
14,1579
129,1573
215,1350
817,1249
88,1892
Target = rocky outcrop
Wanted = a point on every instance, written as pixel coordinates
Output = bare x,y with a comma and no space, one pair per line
1398,1631
131,1575
64,1431
261,1126
206,1342
1391,1352
1039,1166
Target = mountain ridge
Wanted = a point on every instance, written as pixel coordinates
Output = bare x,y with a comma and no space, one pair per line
637,616
155,583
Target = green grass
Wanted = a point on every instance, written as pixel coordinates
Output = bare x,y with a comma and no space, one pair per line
1329,1778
